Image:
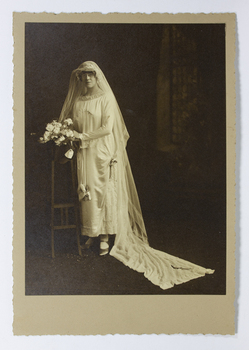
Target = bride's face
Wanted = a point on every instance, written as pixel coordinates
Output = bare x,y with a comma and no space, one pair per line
89,79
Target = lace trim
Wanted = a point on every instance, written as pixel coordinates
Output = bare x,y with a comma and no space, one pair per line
91,97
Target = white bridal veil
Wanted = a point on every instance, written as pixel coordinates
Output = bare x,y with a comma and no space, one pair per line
131,244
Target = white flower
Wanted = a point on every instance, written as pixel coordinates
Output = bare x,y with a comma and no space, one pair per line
46,136
56,130
68,121
56,124
62,138
69,133
49,127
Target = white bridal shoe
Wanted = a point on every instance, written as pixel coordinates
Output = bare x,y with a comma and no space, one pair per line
104,245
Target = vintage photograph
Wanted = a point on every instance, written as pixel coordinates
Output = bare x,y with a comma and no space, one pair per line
125,159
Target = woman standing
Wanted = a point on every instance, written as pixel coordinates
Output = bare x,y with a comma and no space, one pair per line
108,198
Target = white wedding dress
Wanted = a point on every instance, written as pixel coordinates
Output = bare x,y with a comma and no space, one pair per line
105,177
94,116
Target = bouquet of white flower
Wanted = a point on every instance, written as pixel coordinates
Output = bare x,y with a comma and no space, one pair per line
61,133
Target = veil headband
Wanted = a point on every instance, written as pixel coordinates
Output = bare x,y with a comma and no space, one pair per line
90,66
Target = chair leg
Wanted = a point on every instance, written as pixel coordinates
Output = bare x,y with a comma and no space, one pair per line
52,210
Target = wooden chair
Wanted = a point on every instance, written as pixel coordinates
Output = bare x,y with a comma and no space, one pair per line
64,208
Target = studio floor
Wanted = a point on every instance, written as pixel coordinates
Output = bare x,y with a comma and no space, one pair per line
194,238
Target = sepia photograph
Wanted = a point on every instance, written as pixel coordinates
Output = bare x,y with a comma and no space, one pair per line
125,159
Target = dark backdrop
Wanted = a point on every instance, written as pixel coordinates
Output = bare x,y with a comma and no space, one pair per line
129,55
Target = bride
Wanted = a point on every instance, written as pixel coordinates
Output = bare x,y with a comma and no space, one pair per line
109,203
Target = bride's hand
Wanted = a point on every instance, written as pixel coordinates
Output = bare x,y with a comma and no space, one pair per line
77,135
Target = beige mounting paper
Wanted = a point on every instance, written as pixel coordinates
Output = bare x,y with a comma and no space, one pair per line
126,314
